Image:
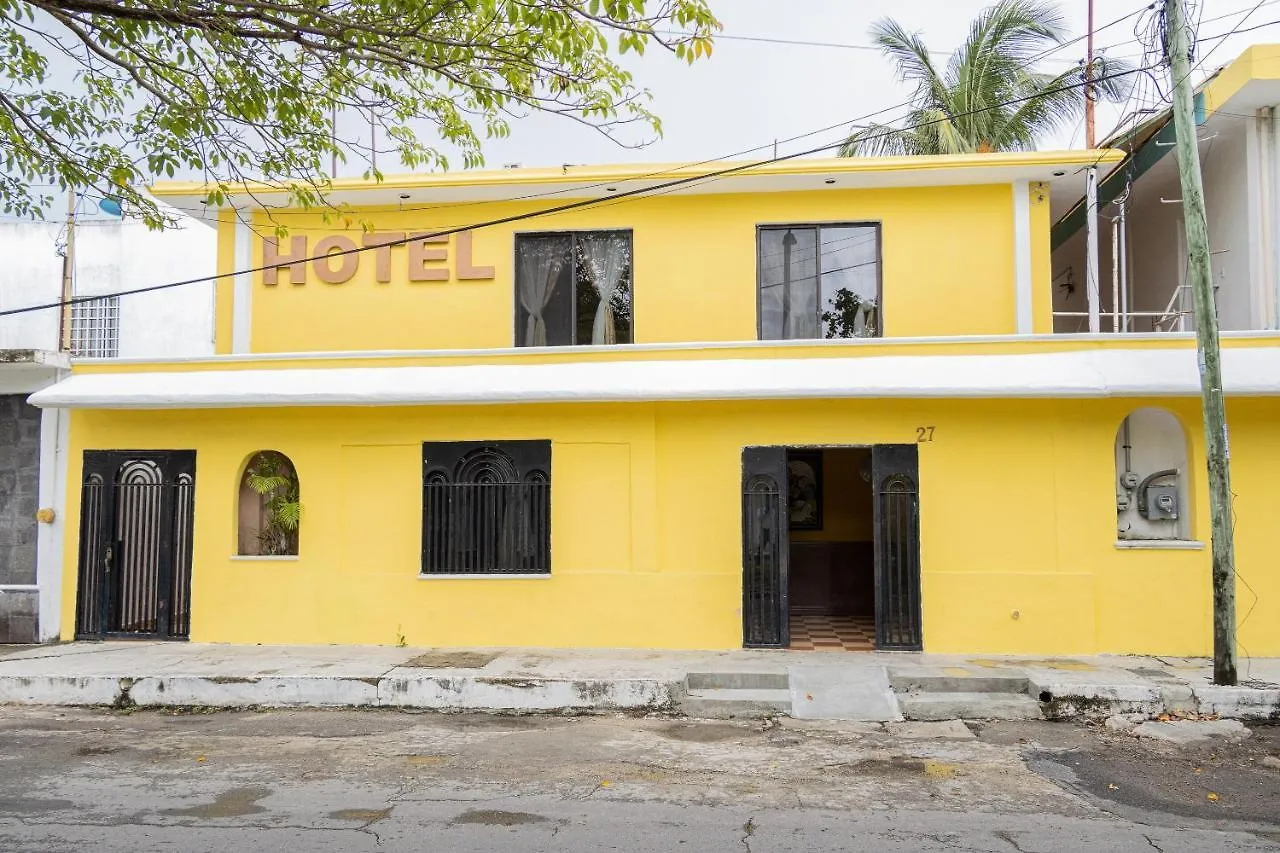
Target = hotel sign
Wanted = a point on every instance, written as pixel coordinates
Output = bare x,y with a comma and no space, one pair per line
422,257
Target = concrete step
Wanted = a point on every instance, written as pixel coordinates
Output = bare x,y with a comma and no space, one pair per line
737,681
968,706
726,703
956,680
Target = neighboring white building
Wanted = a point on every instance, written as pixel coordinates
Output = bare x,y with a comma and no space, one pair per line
1143,285
110,256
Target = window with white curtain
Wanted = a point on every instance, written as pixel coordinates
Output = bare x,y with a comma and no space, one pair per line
573,288
818,281
95,328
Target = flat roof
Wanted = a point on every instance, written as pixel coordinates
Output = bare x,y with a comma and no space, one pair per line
602,181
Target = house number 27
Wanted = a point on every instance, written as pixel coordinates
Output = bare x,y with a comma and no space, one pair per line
923,434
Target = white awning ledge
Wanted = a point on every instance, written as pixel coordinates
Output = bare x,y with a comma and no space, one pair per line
1092,373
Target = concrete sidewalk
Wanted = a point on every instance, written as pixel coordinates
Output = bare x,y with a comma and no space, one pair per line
813,685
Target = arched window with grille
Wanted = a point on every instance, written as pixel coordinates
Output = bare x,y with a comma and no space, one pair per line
270,506
486,508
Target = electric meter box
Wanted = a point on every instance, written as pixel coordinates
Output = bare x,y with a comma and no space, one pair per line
1162,502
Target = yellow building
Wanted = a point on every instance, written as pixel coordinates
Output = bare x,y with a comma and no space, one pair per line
810,403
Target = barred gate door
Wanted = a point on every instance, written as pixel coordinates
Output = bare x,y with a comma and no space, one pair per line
136,515
765,544
896,474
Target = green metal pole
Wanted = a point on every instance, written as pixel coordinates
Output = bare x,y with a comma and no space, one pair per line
1217,452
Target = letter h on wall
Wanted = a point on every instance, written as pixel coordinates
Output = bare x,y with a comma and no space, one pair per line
293,264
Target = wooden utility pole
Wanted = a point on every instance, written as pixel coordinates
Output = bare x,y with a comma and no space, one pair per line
68,274
1090,131
1217,452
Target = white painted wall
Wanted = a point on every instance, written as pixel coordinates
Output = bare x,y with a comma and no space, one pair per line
1226,166
112,255
1157,442
30,274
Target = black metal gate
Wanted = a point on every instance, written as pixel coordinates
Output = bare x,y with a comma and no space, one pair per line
895,475
765,544
136,515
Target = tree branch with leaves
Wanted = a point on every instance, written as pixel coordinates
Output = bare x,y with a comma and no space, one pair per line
243,90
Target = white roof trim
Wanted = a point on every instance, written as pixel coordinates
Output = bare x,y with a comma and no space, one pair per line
1096,373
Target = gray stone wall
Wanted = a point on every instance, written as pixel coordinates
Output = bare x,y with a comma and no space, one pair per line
19,500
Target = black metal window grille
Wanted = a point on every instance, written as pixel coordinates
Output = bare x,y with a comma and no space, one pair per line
486,508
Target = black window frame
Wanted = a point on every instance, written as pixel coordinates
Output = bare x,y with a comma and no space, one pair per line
818,226
573,235
486,508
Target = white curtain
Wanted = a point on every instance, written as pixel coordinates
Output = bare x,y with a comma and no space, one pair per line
607,257
540,264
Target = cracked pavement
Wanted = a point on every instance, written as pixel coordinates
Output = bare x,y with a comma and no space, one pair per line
354,781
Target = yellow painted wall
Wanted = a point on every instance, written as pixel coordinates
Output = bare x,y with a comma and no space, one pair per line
1018,525
947,268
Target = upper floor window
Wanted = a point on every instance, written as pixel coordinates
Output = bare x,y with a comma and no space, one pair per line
818,281
573,288
95,328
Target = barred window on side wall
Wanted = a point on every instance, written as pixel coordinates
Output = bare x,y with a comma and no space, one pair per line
95,328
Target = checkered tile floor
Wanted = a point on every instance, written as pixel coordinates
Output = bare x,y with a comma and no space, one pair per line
832,633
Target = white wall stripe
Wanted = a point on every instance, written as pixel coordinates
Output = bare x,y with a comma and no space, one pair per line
242,305
1022,276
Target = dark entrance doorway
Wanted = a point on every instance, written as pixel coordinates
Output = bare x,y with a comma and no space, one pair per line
136,514
831,544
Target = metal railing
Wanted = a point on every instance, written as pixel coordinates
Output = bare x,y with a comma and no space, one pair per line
1172,319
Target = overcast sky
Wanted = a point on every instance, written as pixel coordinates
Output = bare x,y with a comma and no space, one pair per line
749,93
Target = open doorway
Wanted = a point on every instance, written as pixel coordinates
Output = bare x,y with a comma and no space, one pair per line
831,548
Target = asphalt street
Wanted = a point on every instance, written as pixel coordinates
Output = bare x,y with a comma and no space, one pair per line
77,780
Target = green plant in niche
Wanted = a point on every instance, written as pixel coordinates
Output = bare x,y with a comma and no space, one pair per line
271,475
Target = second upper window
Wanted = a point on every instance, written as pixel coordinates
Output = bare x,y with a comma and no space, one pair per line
573,288
818,281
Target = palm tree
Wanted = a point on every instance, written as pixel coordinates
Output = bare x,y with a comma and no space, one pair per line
988,98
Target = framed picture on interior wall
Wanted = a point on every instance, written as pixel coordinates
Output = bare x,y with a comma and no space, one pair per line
804,489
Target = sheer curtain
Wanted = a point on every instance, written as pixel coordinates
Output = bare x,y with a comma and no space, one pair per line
540,264
606,257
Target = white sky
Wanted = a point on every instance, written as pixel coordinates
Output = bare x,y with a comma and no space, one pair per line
750,93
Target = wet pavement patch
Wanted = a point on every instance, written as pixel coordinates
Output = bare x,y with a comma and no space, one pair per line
1219,781
365,816
236,802
451,660
494,817
32,805
895,766
704,732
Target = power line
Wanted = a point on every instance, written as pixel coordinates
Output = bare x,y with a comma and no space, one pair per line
660,189
852,122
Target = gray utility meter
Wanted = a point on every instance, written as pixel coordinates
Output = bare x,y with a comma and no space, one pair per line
1159,502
